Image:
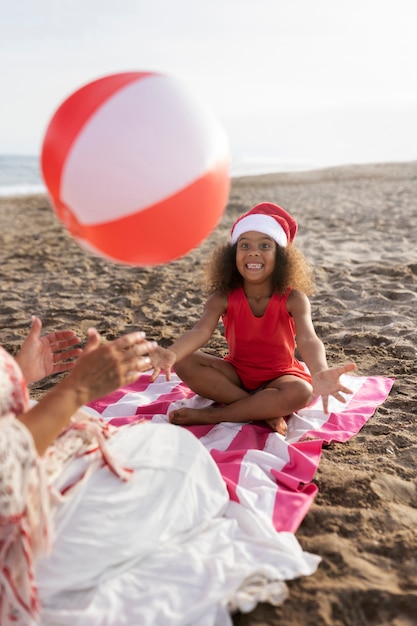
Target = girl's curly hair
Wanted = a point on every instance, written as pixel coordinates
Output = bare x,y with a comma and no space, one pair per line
291,270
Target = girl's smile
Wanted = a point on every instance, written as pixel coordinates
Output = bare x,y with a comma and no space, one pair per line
255,255
254,266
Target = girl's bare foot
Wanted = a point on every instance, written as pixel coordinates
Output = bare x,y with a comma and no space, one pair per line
278,424
187,416
212,415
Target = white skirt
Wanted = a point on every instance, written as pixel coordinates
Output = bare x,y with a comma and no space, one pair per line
167,547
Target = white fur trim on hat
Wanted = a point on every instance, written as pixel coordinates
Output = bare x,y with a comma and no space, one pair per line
261,224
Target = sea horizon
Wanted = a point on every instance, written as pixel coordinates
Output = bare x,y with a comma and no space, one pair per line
20,174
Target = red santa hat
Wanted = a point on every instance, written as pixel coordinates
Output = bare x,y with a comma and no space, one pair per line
269,219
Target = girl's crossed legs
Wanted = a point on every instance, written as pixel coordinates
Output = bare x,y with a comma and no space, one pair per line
216,379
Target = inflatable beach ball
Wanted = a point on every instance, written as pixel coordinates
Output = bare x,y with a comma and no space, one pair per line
137,169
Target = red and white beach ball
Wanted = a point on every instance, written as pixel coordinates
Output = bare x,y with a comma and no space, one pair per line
136,167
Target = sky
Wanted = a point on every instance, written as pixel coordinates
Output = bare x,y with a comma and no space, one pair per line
301,81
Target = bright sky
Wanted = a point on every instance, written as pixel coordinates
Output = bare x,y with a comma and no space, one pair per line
268,68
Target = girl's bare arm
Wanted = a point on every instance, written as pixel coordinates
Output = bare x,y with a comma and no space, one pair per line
191,340
325,380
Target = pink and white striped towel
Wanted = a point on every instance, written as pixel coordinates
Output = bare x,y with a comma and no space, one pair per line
267,473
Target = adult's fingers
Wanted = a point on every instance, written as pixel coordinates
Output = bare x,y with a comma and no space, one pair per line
66,355
128,341
93,340
36,327
62,339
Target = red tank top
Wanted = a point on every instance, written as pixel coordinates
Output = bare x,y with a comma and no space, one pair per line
261,348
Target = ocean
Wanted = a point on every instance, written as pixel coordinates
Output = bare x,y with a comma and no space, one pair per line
21,175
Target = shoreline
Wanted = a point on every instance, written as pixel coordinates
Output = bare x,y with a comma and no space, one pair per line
33,189
357,229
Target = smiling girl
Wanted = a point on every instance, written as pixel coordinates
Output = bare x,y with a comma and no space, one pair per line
259,285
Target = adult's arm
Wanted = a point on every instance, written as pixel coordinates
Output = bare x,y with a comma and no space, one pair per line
100,369
42,356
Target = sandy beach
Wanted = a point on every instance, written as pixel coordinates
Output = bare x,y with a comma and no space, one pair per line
357,227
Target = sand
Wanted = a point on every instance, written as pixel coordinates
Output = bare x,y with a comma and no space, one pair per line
357,227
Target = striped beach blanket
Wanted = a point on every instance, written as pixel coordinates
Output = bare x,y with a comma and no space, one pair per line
265,472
